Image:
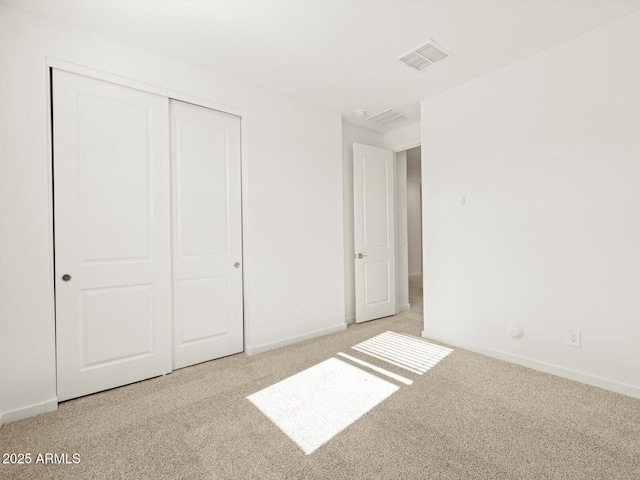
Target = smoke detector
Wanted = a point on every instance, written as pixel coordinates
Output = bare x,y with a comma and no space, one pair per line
360,113
425,55
386,117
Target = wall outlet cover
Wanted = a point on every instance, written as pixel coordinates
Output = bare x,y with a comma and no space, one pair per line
574,337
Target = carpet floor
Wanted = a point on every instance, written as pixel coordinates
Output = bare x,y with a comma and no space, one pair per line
468,417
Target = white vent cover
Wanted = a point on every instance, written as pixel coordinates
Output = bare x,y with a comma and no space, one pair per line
424,56
386,117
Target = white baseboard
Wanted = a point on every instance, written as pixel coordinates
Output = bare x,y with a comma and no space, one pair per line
612,385
405,307
417,274
291,340
30,411
351,320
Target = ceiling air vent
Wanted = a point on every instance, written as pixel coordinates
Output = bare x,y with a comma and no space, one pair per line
424,56
386,117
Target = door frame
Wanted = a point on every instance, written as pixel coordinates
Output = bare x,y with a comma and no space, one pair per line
51,63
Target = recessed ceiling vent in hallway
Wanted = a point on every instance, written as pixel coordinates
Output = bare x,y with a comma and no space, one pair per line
388,116
424,56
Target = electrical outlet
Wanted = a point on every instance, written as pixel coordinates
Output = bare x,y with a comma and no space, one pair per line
573,337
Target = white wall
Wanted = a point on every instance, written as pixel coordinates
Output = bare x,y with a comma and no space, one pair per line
351,134
402,138
414,227
547,154
292,214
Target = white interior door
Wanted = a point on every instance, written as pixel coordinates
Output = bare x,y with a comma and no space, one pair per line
112,234
373,177
207,229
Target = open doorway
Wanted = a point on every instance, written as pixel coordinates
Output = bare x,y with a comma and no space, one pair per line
393,204
409,231
414,228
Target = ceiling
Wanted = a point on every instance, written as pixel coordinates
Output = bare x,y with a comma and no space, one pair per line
340,54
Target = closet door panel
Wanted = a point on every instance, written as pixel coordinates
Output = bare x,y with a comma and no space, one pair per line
112,234
207,250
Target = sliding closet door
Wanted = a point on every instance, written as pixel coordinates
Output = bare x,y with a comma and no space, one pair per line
207,234
112,234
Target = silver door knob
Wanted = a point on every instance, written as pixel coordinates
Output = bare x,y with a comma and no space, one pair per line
236,265
362,255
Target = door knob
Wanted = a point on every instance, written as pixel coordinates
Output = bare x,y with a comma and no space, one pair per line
236,265
66,277
362,255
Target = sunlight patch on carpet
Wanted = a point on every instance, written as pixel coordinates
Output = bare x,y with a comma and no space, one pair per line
411,353
377,369
316,404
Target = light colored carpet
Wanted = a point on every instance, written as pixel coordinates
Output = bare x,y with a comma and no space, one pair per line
468,417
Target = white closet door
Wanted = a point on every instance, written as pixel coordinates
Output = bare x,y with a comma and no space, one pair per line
112,234
207,234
